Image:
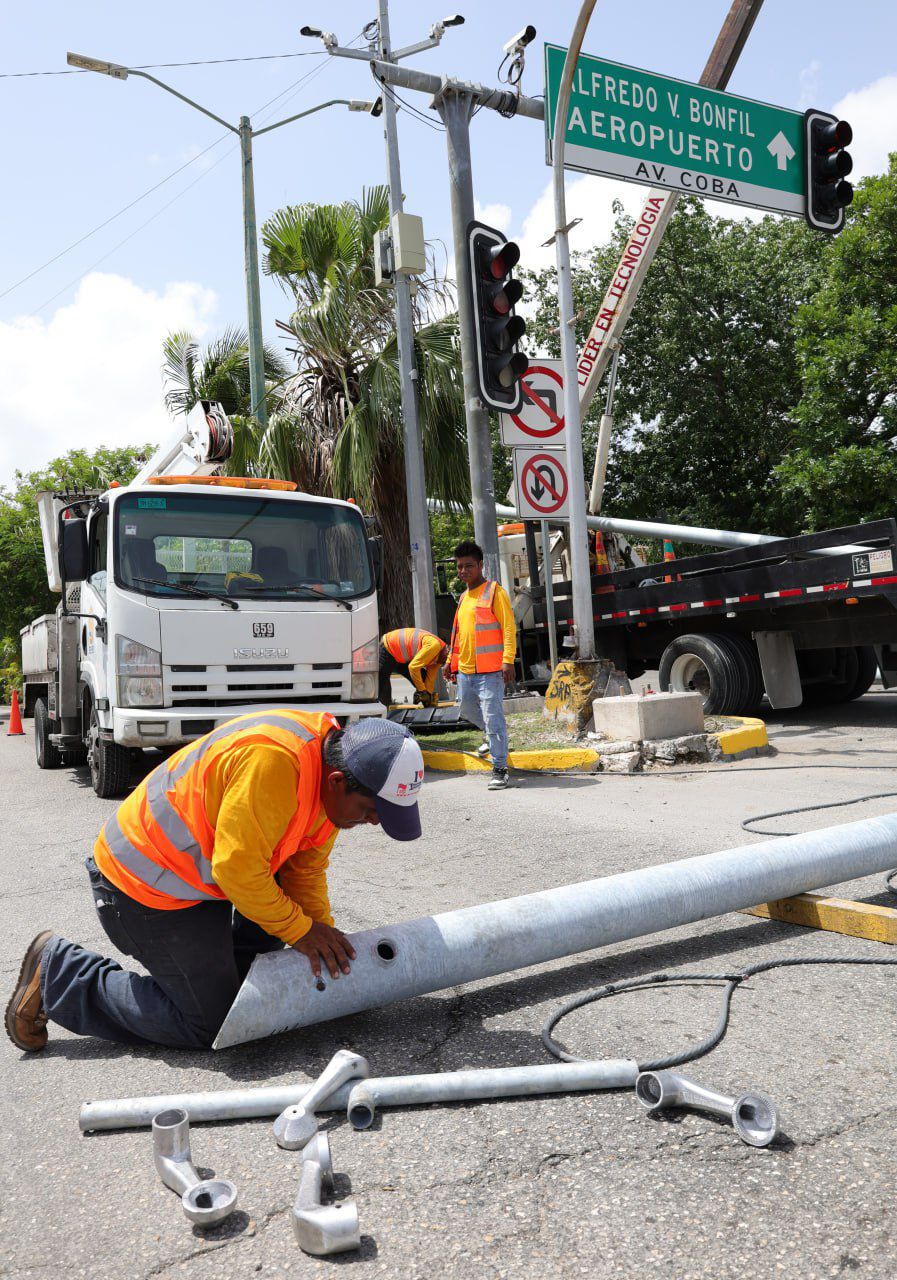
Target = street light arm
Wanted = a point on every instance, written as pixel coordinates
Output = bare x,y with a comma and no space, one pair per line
183,97
333,102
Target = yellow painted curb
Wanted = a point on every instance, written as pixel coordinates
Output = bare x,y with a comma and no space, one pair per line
750,735
571,758
835,915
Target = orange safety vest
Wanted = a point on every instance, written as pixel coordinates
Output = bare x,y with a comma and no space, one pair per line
404,643
157,846
489,636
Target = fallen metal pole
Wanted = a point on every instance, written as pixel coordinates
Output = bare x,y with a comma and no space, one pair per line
393,1091
431,954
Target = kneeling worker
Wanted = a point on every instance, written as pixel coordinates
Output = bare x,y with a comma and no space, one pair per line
418,655
219,854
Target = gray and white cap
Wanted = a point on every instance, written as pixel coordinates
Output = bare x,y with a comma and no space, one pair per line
386,759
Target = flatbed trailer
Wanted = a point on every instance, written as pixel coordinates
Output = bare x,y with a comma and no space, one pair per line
799,619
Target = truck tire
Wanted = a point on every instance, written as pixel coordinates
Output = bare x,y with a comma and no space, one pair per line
868,670
48,756
746,655
704,664
110,764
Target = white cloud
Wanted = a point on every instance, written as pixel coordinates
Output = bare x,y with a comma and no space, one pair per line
589,198
494,215
872,111
809,85
91,374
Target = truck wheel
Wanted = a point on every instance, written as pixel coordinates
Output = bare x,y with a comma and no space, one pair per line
830,692
868,670
705,665
48,755
110,764
745,654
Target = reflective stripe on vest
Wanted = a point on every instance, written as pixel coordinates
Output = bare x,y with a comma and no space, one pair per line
489,639
404,643
157,787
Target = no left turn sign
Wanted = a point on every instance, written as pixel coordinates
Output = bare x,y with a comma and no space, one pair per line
540,419
541,484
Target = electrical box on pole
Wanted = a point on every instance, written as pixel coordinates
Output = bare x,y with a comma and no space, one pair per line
494,293
827,166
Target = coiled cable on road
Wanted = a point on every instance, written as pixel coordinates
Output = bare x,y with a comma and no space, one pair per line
732,983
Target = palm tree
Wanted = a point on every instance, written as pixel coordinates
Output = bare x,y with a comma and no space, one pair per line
340,421
220,372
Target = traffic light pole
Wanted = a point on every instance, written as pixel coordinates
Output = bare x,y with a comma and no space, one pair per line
415,480
455,106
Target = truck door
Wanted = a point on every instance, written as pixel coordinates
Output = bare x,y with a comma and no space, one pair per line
93,641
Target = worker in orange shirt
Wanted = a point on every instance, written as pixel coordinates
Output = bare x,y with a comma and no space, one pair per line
481,656
416,654
218,855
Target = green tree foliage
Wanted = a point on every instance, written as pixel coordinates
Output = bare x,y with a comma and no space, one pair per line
219,371
843,466
24,593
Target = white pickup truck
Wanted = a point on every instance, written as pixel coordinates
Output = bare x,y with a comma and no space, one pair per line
189,598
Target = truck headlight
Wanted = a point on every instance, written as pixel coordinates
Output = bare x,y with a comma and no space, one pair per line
365,660
139,674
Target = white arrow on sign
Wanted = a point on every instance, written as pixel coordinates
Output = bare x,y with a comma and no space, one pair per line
782,149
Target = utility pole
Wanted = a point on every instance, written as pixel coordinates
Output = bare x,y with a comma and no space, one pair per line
415,478
257,399
456,108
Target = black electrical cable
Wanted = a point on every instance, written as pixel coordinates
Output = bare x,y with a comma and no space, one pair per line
747,825
732,980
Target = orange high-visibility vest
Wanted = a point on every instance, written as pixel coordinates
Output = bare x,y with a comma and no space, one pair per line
158,844
404,644
489,637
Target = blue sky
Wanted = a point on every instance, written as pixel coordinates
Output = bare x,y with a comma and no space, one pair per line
79,341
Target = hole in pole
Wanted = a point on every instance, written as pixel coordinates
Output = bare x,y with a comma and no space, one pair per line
386,950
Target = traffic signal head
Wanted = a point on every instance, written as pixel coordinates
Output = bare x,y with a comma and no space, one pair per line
827,166
494,294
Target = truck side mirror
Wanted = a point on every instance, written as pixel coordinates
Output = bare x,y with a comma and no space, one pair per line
376,546
73,550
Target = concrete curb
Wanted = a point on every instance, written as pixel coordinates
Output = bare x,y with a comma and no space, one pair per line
748,739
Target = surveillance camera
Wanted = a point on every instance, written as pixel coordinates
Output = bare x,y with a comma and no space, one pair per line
521,40
454,20
314,32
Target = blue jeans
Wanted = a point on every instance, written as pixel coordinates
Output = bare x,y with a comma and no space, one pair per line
197,956
481,699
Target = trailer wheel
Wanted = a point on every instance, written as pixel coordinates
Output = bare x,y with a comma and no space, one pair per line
868,669
826,693
706,665
48,756
110,764
745,655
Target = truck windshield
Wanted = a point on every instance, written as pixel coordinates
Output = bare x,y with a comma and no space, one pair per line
260,548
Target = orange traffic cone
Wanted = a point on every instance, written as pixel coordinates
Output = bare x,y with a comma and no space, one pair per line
15,719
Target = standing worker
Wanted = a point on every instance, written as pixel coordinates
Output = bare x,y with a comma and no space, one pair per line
416,654
481,656
218,855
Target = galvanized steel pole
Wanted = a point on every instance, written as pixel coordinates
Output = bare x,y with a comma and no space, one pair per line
583,620
421,555
258,401
456,108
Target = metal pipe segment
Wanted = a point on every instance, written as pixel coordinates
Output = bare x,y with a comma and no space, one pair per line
456,947
368,1096
752,1115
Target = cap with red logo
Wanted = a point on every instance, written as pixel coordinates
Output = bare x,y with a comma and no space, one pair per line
386,759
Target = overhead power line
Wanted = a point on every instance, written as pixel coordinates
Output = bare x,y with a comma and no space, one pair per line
158,66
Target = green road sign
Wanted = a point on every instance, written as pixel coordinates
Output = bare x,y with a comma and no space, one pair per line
632,124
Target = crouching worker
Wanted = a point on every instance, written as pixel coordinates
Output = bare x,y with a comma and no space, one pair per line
416,654
219,854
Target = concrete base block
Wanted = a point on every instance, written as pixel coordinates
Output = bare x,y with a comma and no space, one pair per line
622,762
649,716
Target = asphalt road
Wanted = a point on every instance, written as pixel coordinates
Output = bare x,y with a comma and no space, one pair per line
557,1187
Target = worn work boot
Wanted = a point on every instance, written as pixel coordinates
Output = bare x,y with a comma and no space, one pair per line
483,749
499,780
26,1021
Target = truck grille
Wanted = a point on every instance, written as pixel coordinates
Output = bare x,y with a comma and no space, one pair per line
219,686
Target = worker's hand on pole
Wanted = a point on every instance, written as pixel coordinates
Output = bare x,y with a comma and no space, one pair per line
447,673
509,673
323,942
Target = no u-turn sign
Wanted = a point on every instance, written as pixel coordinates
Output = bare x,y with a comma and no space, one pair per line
540,479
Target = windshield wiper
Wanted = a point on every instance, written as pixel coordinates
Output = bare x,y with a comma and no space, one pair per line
190,590
309,593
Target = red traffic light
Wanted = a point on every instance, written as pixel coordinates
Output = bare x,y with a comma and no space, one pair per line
502,259
506,296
